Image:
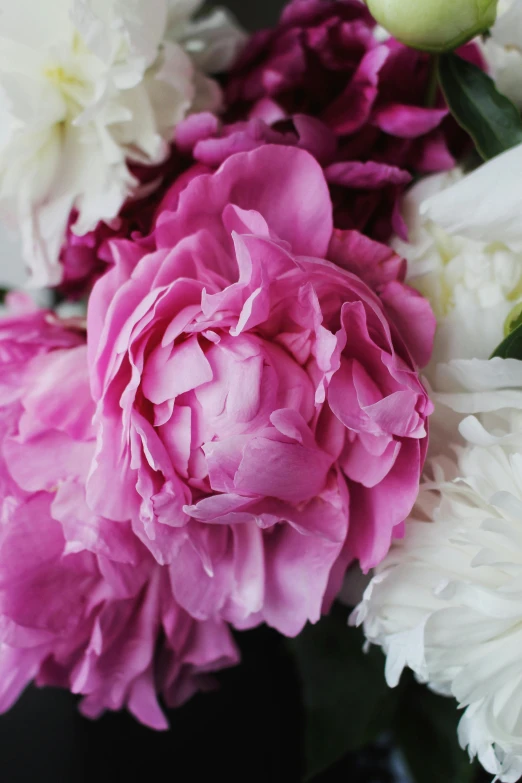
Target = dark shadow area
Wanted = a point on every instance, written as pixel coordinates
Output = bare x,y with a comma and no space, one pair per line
247,731
254,14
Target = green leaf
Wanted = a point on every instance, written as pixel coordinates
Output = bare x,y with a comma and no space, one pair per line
426,732
346,700
511,346
513,320
492,121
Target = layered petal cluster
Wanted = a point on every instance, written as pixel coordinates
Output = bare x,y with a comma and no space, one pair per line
465,256
103,85
76,611
258,411
472,280
368,96
447,601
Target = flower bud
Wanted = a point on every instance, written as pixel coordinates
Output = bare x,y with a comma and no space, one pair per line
434,25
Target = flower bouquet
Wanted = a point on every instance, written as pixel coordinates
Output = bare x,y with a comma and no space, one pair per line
260,270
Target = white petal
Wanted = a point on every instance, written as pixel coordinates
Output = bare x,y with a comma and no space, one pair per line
42,236
214,41
447,601
507,30
88,87
12,274
479,375
145,23
486,205
178,13
35,24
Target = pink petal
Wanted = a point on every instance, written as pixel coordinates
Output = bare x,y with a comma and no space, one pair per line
408,122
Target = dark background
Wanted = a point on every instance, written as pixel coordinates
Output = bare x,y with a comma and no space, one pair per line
250,730
254,14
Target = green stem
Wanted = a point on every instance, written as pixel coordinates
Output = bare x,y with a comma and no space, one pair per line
433,84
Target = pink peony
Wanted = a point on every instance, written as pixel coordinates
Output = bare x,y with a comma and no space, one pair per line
324,61
258,412
83,604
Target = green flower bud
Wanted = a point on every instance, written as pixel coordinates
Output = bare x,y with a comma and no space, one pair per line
434,25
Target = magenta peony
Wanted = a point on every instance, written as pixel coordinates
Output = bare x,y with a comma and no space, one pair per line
325,61
103,622
259,416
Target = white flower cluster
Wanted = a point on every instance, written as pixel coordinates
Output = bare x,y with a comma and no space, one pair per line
88,88
473,284
447,601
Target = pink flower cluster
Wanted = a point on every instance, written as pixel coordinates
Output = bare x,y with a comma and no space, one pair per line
83,605
259,401
369,98
241,417
245,421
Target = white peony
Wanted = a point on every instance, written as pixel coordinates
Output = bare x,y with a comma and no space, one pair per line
86,88
472,284
448,604
485,205
447,601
